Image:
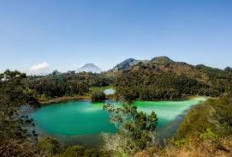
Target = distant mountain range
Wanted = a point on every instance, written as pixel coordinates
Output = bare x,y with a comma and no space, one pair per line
163,63
90,67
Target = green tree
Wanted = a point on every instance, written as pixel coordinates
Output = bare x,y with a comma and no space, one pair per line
137,131
98,96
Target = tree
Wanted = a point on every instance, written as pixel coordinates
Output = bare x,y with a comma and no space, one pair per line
13,95
98,96
137,131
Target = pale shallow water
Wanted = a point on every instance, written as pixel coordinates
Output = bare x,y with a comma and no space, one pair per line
85,119
110,91
167,111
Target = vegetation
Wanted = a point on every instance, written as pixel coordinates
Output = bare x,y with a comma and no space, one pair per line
49,146
14,139
162,78
211,121
206,131
69,84
80,151
137,131
98,96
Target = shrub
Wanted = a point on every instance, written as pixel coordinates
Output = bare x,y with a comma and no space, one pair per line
98,96
49,145
80,151
209,121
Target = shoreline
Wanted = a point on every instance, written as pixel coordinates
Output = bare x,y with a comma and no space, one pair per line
163,134
88,97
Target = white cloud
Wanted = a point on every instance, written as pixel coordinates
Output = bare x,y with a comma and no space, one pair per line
39,69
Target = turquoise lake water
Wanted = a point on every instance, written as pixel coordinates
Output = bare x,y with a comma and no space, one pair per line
84,118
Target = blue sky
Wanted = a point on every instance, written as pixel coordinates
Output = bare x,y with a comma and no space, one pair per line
65,34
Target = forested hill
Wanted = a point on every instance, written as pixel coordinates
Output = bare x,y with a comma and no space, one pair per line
163,78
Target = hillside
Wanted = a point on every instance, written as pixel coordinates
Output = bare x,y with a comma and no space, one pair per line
163,78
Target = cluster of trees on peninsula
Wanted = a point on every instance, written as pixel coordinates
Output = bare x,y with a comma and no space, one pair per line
98,96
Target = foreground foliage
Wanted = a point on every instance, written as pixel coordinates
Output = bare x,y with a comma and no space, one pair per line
13,95
206,130
137,131
211,121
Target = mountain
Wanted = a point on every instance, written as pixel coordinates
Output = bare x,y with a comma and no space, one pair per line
90,67
163,64
228,69
127,64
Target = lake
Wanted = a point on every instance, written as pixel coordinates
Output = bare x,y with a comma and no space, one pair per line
84,119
